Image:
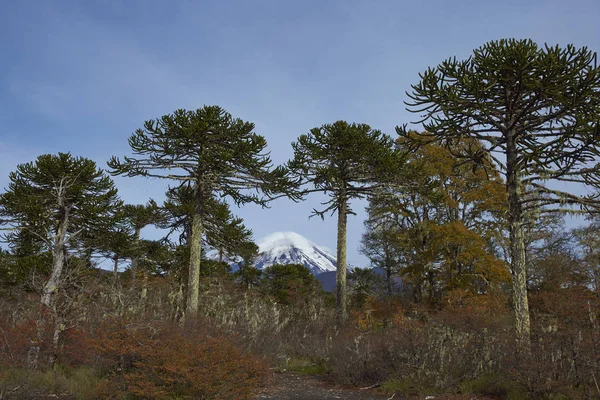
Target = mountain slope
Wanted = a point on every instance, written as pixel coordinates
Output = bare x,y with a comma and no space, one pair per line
292,248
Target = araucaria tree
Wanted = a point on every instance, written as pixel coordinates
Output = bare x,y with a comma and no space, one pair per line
537,111
58,199
137,217
218,155
223,231
344,161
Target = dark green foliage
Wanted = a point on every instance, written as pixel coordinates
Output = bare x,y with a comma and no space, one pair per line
215,269
138,216
249,276
540,103
39,195
223,231
290,283
19,265
144,254
208,148
211,155
537,112
344,161
30,202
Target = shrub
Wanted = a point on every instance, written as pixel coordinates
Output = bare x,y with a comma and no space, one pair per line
160,361
80,383
16,340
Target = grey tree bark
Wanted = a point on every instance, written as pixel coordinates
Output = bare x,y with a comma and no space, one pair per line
51,286
58,261
517,248
135,260
193,285
340,275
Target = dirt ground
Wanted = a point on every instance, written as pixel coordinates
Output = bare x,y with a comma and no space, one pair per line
288,386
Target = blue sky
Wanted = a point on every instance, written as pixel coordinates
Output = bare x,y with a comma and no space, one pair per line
81,76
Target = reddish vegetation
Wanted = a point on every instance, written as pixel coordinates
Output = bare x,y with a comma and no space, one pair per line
462,346
160,360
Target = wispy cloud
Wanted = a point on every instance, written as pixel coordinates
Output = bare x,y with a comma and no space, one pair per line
82,76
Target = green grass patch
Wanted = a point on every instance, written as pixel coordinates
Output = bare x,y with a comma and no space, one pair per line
489,384
306,366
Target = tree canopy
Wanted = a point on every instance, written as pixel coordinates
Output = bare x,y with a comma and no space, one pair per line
537,111
214,154
344,161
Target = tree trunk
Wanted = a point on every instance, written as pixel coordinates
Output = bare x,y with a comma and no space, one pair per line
517,249
388,278
340,275
115,269
50,287
431,280
59,328
193,285
135,260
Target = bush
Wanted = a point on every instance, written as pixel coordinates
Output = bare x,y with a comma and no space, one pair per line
80,383
16,340
160,361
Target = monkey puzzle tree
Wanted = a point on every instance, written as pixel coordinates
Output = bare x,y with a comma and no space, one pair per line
344,161
58,199
223,231
217,155
27,256
537,112
137,217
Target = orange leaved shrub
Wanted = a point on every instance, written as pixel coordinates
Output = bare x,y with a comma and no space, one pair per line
160,361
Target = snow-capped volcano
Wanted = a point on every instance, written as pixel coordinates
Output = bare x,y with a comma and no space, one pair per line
292,248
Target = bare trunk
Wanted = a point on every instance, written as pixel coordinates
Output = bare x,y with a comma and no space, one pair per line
115,269
340,276
431,280
58,262
388,278
135,259
50,288
59,328
144,293
517,250
193,285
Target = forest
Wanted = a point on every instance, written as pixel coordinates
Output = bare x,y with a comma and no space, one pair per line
482,217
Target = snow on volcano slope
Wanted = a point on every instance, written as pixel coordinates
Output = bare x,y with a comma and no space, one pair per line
292,248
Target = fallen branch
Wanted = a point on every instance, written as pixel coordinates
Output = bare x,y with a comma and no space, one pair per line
371,387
